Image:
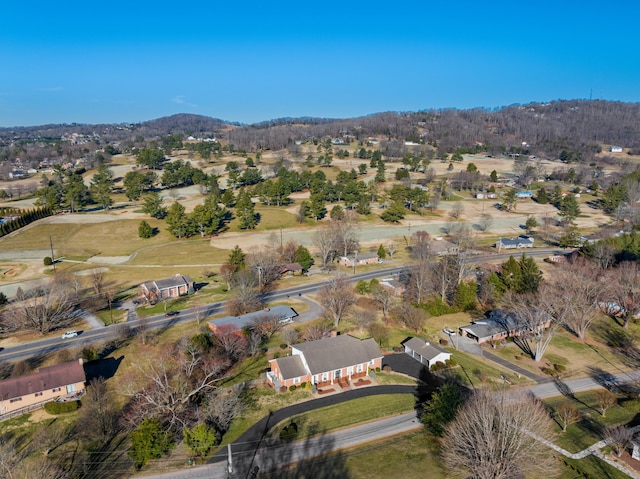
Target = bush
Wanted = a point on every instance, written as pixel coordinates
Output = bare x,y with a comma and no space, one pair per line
55,407
48,261
387,369
437,307
451,363
443,342
284,346
292,387
89,354
283,389
549,371
377,370
303,385
560,368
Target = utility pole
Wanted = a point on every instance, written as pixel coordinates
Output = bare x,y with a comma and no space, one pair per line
53,259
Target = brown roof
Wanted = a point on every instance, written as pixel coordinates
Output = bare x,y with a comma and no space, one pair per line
46,378
328,354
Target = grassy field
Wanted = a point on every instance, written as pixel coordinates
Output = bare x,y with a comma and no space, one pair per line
347,414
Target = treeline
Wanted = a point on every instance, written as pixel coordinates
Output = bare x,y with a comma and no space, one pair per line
23,219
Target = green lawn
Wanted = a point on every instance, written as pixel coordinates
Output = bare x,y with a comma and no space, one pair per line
589,430
350,413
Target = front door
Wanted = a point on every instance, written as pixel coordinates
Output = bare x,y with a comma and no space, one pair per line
337,374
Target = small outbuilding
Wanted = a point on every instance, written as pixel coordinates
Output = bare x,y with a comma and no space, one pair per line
425,352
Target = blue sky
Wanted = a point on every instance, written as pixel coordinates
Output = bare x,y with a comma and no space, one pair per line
117,61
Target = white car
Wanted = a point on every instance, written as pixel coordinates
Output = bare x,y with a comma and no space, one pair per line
70,334
449,331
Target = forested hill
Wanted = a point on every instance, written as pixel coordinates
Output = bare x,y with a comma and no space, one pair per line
545,129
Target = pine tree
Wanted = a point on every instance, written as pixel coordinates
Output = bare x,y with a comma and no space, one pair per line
245,211
531,277
511,275
236,258
542,196
382,253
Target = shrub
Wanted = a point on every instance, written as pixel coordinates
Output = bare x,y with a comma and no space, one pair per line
387,369
549,371
560,368
48,261
283,389
55,407
89,354
377,370
303,385
443,342
451,363
284,346
292,387
437,307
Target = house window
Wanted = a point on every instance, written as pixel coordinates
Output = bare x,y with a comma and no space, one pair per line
71,388
350,370
16,400
359,368
325,377
56,390
38,394
296,380
371,363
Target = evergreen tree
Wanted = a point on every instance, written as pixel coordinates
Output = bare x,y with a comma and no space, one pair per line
542,196
152,205
145,230
530,224
303,256
569,209
102,186
530,274
382,252
466,296
237,257
245,212
180,224
511,274
149,441
493,176
442,408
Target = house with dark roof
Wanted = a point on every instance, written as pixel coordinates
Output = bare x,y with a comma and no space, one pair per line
497,326
281,314
290,269
425,352
521,241
335,360
157,290
52,383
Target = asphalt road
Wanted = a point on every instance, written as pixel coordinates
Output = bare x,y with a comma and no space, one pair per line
51,345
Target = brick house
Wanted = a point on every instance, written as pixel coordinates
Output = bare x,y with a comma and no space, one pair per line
361,259
177,285
338,359
51,383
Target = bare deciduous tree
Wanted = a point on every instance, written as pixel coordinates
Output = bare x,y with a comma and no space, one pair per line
384,298
223,407
410,317
605,399
534,315
624,287
576,294
325,239
97,280
46,309
567,414
289,336
316,331
265,263
165,384
495,437
618,437
337,296
362,317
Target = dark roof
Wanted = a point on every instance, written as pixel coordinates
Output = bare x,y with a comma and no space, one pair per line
291,367
290,267
177,280
46,378
240,322
516,241
424,348
498,322
328,354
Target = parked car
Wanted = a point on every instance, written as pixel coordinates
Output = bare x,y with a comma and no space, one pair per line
449,331
70,334
172,313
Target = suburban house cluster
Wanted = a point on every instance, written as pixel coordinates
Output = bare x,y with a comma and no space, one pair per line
52,383
334,360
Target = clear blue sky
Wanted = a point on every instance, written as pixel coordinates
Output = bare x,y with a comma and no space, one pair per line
117,61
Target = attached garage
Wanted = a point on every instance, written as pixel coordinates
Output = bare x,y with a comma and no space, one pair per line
425,352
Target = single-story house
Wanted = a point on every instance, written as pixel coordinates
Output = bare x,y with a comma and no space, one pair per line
521,241
282,314
498,326
290,269
425,352
157,290
393,285
361,259
338,359
615,149
482,196
442,247
51,383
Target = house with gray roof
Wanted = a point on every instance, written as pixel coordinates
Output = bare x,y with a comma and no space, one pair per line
157,290
498,326
521,241
335,360
282,314
425,352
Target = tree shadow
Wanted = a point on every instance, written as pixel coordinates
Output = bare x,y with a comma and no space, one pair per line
427,384
105,368
281,456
